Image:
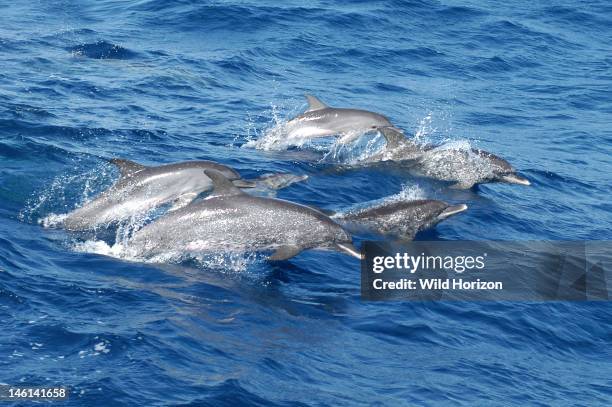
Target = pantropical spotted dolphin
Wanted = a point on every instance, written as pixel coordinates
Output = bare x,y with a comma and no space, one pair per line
230,220
399,219
464,167
321,120
143,188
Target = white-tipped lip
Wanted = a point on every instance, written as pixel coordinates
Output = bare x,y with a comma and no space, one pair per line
452,210
515,179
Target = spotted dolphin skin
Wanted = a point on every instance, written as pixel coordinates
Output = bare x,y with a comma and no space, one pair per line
465,168
230,220
321,120
143,188
399,219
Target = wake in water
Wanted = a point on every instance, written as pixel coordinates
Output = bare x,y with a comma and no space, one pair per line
222,262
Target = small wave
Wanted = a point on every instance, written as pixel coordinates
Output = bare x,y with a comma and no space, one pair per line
102,50
494,65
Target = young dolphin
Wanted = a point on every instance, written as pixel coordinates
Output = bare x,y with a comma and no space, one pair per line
465,168
230,220
320,120
399,219
141,188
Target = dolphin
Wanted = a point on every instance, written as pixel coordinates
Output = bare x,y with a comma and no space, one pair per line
399,219
229,220
464,167
141,188
320,120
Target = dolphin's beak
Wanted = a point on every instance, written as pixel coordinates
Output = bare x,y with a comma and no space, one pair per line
515,179
349,249
452,210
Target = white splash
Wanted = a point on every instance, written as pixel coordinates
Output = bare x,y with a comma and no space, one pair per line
425,129
52,220
195,253
408,193
46,205
99,247
102,347
357,151
273,137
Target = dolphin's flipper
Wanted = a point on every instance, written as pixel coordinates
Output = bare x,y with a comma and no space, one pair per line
221,185
126,167
314,103
285,252
243,183
393,135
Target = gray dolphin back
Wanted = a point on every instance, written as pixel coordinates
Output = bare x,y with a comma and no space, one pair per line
401,219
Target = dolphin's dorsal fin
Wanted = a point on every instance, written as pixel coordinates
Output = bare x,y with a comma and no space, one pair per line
127,167
394,136
314,103
221,185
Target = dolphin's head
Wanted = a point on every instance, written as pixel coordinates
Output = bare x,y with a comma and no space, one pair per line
502,170
377,121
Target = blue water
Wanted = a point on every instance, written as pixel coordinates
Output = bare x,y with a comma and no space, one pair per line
160,82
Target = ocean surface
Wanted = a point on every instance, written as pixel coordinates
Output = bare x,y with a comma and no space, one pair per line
160,82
